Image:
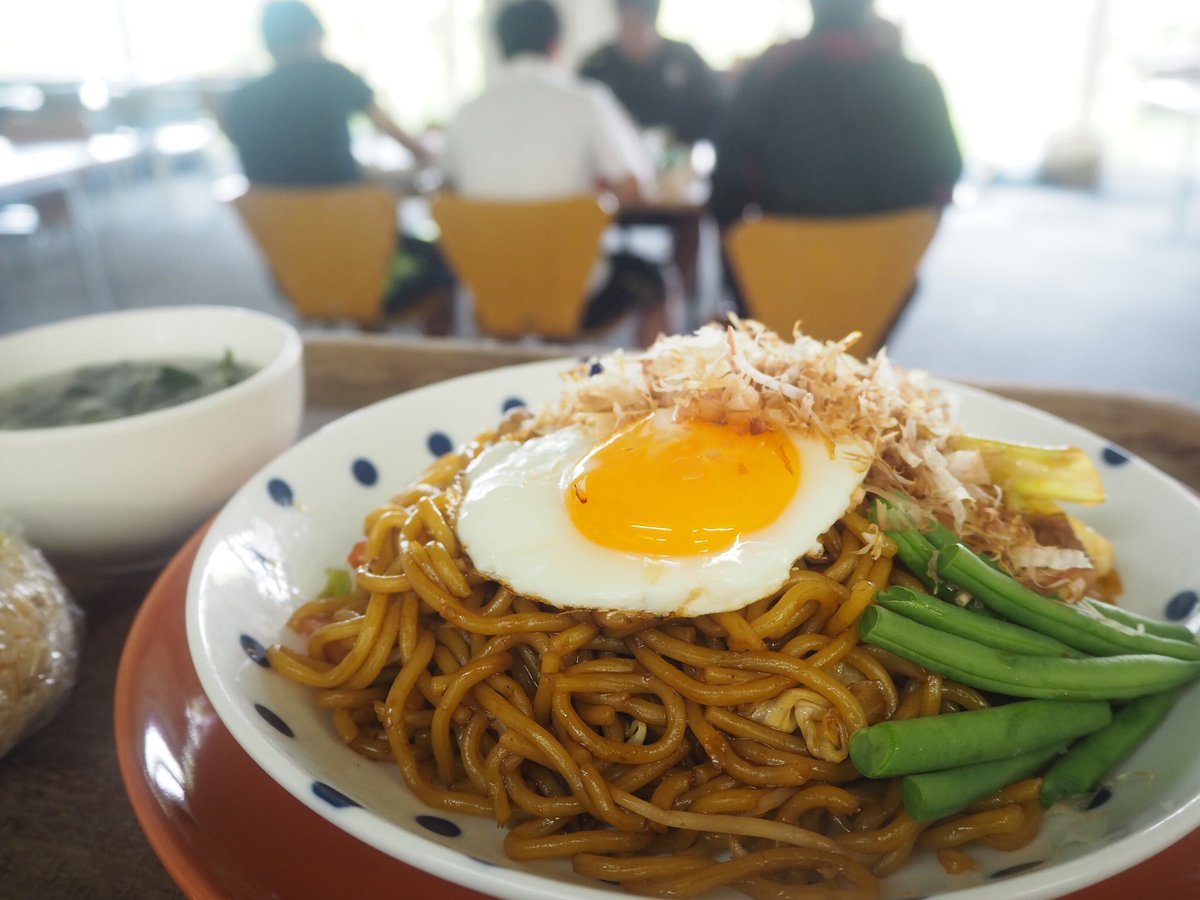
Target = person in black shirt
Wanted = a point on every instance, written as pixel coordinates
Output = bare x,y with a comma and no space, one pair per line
662,83
290,127
837,123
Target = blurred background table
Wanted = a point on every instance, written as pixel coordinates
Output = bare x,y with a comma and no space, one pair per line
66,826
29,171
679,204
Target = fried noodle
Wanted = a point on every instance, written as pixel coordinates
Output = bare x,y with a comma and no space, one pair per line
673,756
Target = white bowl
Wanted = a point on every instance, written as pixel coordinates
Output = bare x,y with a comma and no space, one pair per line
268,550
124,494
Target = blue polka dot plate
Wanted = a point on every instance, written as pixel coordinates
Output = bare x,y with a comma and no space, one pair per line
268,550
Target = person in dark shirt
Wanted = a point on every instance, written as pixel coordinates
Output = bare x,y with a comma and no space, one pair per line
291,127
837,123
662,83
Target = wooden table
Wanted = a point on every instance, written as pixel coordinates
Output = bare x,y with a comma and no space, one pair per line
683,211
66,827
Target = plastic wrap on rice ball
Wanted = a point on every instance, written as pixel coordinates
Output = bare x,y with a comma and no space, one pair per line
40,631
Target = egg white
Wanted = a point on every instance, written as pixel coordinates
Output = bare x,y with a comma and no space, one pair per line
514,524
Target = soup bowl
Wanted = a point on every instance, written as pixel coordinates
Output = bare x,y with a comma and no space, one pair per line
123,494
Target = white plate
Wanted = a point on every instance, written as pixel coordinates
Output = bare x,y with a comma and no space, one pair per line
268,550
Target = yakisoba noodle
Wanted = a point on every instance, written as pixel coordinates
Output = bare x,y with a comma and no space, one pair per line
670,755
625,744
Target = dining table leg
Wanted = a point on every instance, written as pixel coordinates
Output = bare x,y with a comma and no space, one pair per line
86,239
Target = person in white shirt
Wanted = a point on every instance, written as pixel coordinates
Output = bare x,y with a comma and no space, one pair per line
539,132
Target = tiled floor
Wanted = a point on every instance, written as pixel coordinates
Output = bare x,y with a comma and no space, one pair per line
1022,284
1045,285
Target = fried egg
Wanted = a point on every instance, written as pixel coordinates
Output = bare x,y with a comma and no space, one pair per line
662,517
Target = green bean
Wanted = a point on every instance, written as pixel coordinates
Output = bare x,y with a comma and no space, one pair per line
953,619
1021,675
930,743
1012,600
903,511
938,537
1137,622
938,534
935,795
1081,769
917,554
917,557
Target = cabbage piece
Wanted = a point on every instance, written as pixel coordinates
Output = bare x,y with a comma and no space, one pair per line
1029,473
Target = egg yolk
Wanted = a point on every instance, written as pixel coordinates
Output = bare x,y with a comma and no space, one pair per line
681,489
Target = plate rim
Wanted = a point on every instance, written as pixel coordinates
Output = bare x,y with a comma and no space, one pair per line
179,866
427,855
190,866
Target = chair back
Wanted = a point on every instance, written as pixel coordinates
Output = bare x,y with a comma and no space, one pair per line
832,275
329,248
525,264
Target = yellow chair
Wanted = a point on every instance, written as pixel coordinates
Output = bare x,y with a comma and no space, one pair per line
525,264
329,248
832,275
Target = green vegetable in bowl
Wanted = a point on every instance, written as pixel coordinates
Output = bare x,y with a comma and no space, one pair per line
1081,769
1021,675
934,795
338,583
1137,622
909,746
1012,600
1030,472
953,619
100,393
1026,645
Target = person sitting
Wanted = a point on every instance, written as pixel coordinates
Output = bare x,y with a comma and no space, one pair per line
836,123
291,128
662,83
540,133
